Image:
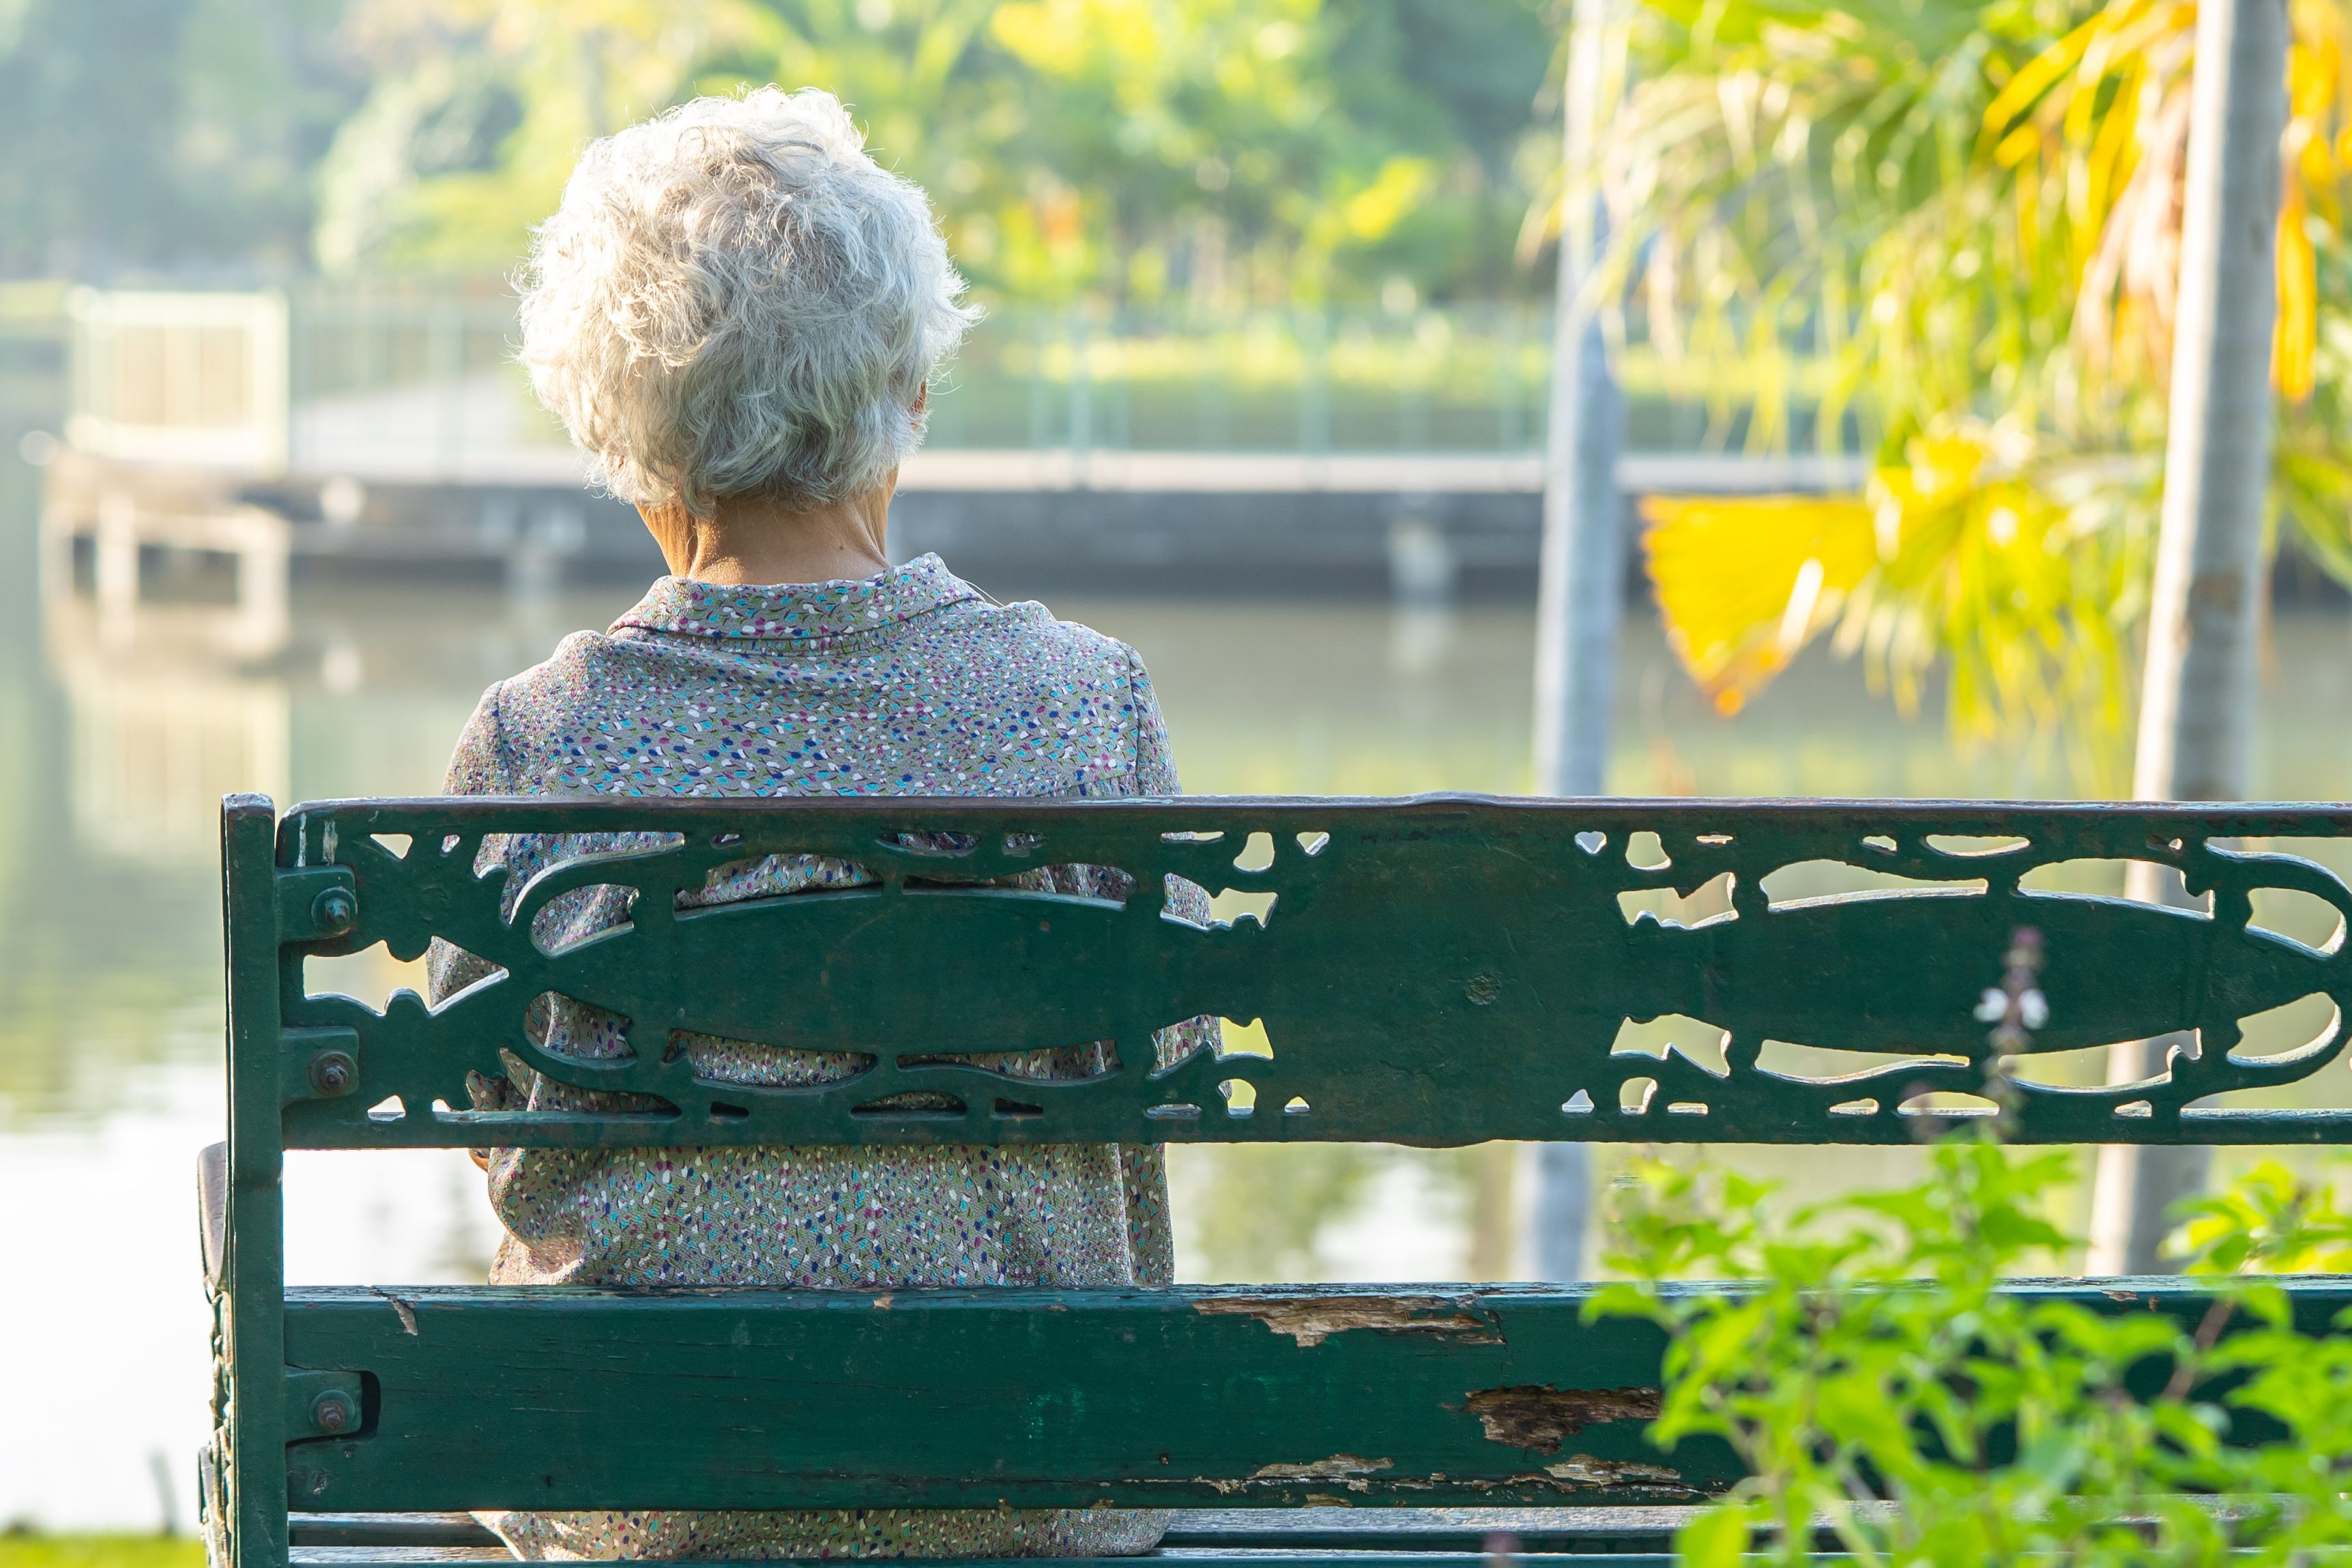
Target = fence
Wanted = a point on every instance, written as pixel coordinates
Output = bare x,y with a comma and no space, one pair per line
423,382
181,378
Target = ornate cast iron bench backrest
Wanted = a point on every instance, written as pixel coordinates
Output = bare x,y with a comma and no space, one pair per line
1438,972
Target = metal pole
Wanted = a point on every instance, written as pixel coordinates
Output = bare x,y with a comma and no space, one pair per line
1580,589
2197,699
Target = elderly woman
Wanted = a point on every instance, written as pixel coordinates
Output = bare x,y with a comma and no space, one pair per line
735,313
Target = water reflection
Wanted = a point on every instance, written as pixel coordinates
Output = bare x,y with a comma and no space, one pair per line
125,731
159,733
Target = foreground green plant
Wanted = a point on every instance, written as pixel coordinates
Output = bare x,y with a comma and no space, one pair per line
1882,1388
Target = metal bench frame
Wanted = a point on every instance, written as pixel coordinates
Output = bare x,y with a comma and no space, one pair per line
1441,970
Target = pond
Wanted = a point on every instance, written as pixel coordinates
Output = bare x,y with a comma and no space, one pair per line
121,740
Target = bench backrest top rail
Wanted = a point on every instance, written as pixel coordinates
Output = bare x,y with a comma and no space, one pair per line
1436,970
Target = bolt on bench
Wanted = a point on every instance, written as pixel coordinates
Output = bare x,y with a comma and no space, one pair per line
1433,972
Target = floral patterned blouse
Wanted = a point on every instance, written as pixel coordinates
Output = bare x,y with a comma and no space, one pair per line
911,683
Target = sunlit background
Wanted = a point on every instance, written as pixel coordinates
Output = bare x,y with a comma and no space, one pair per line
1262,391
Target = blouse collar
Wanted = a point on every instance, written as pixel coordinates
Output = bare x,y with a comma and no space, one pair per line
798,611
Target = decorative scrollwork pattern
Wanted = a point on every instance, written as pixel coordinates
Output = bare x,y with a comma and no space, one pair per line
1440,971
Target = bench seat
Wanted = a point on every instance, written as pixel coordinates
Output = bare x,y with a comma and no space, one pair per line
1394,1532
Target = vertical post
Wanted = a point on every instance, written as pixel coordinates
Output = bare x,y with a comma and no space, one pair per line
1580,584
269,374
56,558
264,562
1082,402
1508,390
1040,413
1314,381
255,1263
2196,695
445,349
115,566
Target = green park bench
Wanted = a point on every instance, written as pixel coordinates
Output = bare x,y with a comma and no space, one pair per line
1434,972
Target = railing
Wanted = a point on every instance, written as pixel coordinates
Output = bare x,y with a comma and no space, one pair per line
1472,378
1467,380
423,380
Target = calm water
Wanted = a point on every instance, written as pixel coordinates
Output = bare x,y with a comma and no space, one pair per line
122,741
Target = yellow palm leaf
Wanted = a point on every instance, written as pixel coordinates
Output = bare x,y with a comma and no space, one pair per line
2294,343
1744,582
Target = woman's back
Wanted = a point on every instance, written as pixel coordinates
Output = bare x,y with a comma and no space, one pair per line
911,683
737,313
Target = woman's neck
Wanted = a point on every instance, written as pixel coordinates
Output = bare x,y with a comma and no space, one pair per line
759,538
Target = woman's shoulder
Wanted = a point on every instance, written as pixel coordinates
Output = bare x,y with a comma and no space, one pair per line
486,760
1043,662
1027,627
567,673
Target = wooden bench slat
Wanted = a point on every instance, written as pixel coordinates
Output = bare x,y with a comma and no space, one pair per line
517,1397
412,1529
1187,1396
1599,1528
1584,1530
1242,1557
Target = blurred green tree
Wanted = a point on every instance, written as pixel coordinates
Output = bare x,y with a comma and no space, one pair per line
1146,151
141,135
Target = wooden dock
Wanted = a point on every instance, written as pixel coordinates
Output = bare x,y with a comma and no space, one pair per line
1018,521
191,432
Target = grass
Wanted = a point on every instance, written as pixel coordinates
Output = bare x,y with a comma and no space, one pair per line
100,1551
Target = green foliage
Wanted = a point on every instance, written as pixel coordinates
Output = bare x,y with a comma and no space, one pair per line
1208,153
139,134
1812,180
1213,151
1800,178
1886,1394
1261,1211
1967,211
2271,1222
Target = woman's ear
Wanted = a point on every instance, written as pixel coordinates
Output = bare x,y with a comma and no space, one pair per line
672,526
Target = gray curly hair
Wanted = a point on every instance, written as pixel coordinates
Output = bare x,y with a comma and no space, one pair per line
735,299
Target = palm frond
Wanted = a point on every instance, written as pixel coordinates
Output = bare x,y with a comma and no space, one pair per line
1972,209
